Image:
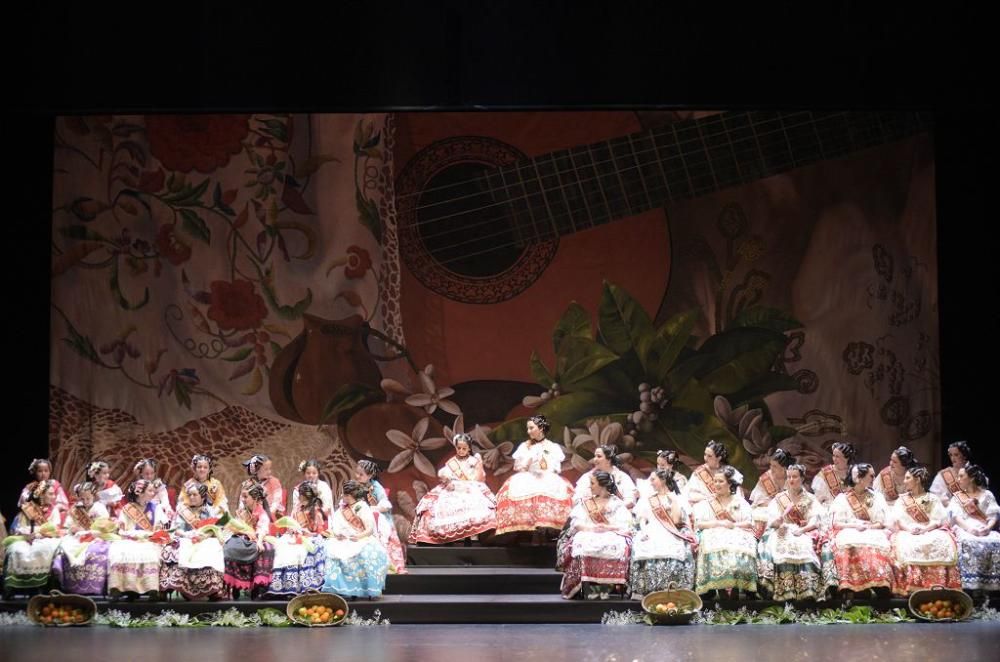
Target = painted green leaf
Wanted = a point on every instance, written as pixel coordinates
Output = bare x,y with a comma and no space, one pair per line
575,323
368,215
579,358
661,353
767,318
347,398
540,372
195,225
283,311
238,355
188,195
740,356
81,344
116,290
277,129
622,322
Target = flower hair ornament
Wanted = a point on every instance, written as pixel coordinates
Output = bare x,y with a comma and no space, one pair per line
254,463
94,468
139,486
40,489
35,464
461,436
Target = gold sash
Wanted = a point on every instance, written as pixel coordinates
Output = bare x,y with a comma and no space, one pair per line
914,509
951,480
832,480
138,515
456,468
595,512
719,510
971,506
81,517
888,485
859,508
796,515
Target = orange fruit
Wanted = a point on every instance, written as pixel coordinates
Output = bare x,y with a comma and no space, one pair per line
325,618
671,605
339,612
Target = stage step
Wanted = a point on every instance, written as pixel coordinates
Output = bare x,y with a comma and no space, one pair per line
536,557
438,579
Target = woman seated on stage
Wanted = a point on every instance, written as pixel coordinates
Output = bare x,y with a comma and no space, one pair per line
41,469
665,461
923,546
81,564
831,480
299,559
662,547
974,514
946,481
193,564
890,480
596,556
39,527
701,484
166,497
462,506
356,562
789,566
366,473
727,548
248,558
108,492
259,468
535,498
859,540
134,561
768,485
310,473
606,459
201,467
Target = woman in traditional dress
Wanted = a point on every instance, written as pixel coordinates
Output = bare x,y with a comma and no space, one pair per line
108,492
366,473
310,473
193,564
259,468
462,506
859,540
770,483
166,497
134,561
923,545
41,469
81,564
665,461
662,554
606,459
535,498
247,557
201,467
727,548
974,514
38,527
356,562
889,482
701,484
299,559
831,480
596,560
788,566
946,481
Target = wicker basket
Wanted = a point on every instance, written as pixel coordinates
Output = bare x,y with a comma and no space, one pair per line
961,598
683,598
38,602
312,599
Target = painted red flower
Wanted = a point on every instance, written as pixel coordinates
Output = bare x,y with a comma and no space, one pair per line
196,142
358,262
171,247
235,305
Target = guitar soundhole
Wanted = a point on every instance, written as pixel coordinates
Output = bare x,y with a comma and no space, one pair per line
456,234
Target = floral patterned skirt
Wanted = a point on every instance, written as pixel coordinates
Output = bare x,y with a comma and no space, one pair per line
29,564
192,583
355,568
860,567
82,568
979,561
134,566
446,514
302,567
659,575
582,569
527,502
245,566
725,569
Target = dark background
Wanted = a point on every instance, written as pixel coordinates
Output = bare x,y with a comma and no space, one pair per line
466,55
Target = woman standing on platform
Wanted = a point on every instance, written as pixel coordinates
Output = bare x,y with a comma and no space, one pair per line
946,481
665,461
662,548
596,559
536,498
299,559
310,473
146,470
462,506
193,563
366,473
39,524
606,459
41,469
356,562
81,564
727,548
134,561
832,479
974,512
259,468
201,466
859,541
890,480
768,485
789,566
248,559
108,492
924,548
701,486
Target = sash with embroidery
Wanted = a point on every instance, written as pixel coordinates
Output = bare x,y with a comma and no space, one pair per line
888,485
662,514
188,516
352,518
768,482
832,480
797,516
457,469
859,508
596,514
914,510
951,480
33,512
719,510
138,515
81,517
315,524
971,506
705,476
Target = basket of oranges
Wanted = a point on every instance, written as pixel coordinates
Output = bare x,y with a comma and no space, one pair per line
671,607
940,604
315,609
61,609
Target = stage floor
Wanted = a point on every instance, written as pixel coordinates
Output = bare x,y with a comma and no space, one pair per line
527,643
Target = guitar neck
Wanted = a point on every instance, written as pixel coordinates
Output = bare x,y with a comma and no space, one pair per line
570,190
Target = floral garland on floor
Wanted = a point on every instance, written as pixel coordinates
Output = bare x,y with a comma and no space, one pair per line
169,618
777,615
